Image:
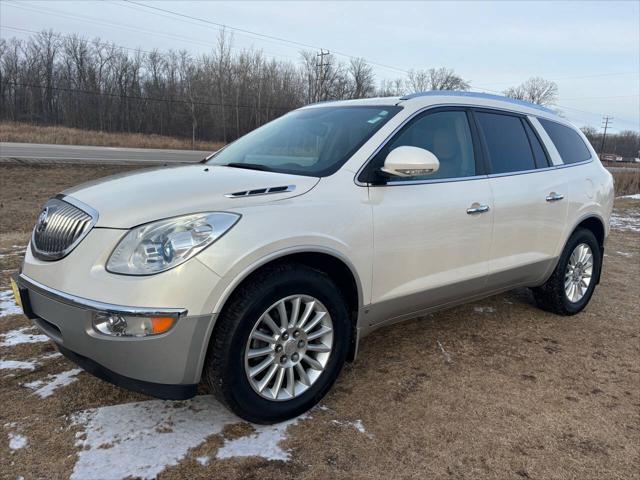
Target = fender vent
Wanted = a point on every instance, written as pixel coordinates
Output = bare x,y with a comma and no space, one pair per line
261,191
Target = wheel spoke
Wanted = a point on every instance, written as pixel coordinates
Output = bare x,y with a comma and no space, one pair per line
304,378
267,378
278,383
308,308
295,311
313,363
259,352
258,335
291,382
318,347
253,371
319,333
317,319
266,318
282,311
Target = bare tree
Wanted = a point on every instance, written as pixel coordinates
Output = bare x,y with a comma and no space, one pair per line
436,79
535,90
362,78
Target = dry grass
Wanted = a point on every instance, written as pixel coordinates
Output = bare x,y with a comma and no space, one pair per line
620,164
28,133
626,183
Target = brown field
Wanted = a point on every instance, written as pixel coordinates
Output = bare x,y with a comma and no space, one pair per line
627,183
521,393
621,164
29,133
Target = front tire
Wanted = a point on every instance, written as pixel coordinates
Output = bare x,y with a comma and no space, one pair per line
279,344
574,280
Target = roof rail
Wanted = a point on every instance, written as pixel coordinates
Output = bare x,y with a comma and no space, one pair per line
487,96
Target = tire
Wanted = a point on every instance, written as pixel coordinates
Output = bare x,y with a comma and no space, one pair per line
552,296
227,369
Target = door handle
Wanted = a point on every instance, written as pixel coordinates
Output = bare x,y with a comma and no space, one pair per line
476,208
554,197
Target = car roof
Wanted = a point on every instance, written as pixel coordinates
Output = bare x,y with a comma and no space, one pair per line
449,97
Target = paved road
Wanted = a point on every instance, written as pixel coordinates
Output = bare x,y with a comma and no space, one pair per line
39,153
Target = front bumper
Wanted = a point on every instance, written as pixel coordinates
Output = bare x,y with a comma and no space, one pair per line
165,366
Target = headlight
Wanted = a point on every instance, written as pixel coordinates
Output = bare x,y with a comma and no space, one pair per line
159,246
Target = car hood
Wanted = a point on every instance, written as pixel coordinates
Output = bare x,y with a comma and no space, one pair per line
130,199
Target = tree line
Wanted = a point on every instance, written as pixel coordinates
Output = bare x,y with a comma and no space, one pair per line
69,80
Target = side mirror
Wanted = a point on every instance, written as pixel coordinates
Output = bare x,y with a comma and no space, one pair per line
410,162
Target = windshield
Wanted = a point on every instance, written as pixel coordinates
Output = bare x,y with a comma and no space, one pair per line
314,142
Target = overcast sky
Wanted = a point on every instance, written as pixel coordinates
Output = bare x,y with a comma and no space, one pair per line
590,49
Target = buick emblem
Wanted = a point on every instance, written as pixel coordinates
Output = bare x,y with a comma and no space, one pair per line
42,219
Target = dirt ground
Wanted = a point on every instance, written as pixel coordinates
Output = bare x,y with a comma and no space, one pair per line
497,389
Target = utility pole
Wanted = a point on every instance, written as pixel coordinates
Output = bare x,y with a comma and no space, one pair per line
606,120
320,73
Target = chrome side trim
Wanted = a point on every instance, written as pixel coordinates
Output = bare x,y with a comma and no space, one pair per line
459,179
94,305
261,191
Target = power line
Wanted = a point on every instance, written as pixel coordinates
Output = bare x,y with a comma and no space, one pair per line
572,77
150,99
96,21
262,35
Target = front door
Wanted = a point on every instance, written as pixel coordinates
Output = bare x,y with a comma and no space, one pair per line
432,234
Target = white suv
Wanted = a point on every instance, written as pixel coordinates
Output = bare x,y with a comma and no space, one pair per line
261,269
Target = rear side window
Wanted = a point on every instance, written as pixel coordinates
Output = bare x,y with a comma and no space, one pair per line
567,141
507,142
539,153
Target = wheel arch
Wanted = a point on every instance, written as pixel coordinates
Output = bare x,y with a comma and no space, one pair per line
594,223
331,262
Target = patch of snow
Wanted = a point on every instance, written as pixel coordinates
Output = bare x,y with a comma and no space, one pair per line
263,442
17,441
7,304
17,337
628,222
141,439
202,461
26,364
17,365
357,424
635,196
625,254
484,309
47,387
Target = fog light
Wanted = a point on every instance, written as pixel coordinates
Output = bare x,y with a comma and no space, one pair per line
131,326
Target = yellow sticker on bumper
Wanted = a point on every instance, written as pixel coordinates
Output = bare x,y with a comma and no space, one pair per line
16,292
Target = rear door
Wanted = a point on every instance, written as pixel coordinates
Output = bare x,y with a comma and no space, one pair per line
530,199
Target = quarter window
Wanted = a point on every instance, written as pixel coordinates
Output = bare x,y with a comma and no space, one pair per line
445,134
539,154
507,142
569,144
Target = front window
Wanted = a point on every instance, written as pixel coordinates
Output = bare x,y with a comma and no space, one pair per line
314,142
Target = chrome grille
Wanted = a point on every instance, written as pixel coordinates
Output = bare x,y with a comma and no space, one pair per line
61,225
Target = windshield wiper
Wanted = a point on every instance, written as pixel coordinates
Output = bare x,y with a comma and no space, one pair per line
248,166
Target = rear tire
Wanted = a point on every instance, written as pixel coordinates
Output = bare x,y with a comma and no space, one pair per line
254,313
565,292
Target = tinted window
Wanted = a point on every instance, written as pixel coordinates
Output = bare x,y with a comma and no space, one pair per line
507,142
567,141
539,154
315,141
447,135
